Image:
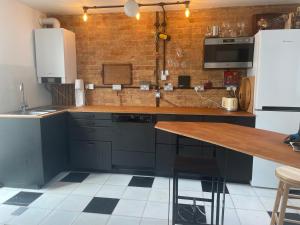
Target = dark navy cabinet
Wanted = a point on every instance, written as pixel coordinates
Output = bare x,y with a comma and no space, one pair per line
32,150
90,136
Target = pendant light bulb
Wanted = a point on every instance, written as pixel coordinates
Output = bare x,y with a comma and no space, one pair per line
131,8
138,16
85,15
187,11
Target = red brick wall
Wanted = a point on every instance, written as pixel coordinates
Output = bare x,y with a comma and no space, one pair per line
116,38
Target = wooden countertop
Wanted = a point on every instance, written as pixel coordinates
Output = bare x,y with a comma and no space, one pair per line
138,109
256,142
160,110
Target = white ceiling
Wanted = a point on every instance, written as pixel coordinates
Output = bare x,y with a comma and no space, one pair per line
75,6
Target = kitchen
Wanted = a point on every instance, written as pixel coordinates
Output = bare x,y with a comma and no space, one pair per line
97,150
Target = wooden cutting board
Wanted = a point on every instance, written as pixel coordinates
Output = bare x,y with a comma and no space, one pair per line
246,94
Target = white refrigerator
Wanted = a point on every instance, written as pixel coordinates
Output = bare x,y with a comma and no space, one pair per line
276,68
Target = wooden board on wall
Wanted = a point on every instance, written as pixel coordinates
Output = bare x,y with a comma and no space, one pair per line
117,74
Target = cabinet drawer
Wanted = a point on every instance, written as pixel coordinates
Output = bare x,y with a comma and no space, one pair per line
91,133
197,151
90,155
89,122
88,115
164,137
133,159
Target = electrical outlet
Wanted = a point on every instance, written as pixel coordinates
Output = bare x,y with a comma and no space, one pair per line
90,86
117,87
199,88
168,87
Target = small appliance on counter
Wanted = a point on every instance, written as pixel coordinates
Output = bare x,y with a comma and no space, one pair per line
79,93
230,103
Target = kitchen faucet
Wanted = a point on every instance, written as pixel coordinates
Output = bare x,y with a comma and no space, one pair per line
23,105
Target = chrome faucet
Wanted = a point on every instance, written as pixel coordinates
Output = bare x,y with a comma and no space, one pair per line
23,105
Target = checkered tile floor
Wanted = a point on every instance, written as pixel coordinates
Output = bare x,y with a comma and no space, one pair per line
118,199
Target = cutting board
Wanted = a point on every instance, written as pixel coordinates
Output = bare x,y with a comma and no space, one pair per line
246,94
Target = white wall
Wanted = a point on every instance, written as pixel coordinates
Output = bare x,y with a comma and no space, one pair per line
17,22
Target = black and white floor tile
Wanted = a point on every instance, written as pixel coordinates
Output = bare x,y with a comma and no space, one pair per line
117,199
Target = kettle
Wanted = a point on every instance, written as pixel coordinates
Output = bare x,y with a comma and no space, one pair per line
230,103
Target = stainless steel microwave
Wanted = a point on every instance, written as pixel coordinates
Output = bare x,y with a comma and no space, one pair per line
228,52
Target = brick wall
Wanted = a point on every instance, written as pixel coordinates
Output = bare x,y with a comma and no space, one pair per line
116,38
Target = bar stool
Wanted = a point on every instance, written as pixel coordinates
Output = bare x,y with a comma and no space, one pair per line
289,177
204,167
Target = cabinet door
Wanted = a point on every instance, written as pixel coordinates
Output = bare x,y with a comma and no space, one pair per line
90,133
165,157
90,155
137,137
133,160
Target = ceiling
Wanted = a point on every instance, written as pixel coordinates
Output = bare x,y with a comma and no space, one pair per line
70,7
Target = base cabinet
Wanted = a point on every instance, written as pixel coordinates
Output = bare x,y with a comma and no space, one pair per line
90,155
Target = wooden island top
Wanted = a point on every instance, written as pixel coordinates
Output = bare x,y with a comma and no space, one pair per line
251,141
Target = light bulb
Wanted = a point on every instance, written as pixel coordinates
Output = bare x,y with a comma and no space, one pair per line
85,17
138,16
187,11
131,8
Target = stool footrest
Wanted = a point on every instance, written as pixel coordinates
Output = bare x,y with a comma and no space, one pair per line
294,196
291,221
293,207
193,198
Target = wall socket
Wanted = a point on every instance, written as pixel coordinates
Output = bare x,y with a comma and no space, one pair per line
90,86
117,87
199,88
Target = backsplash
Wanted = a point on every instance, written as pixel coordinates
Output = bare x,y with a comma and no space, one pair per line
116,38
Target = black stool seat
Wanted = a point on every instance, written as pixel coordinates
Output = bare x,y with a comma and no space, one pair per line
201,166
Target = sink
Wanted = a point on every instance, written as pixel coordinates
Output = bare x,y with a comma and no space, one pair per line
36,112
28,112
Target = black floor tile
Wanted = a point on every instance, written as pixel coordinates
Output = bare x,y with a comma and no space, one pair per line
291,216
101,205
23,198
141,181
207,187
75,177
186,216
295,192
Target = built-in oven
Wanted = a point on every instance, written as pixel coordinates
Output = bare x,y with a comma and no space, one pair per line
228,52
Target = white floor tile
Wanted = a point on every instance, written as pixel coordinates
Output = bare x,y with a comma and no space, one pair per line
230,217
91,219
267,203
150,221
246,202
87,189
97,178
111,191
162,183
6,211
61,187
123,220
240,189
156,210
48,201
250,217
119,179
160,195
130,208
137,193
265,192
60,218
74,203
32,216
189,185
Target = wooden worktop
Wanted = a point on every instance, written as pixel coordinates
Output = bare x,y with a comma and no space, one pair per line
137,109
160,110
256,142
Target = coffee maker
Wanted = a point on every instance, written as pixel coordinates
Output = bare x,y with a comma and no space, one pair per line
79,93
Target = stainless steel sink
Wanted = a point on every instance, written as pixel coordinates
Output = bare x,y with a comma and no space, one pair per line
29,112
